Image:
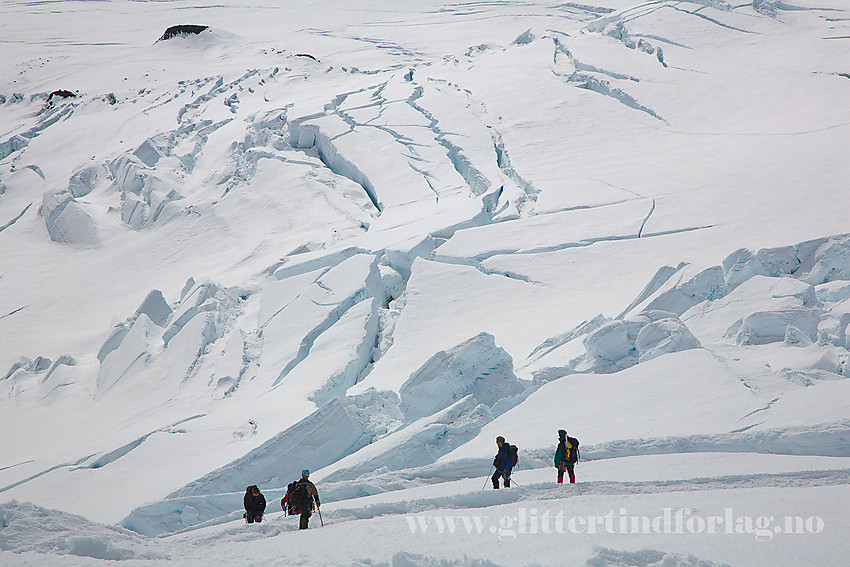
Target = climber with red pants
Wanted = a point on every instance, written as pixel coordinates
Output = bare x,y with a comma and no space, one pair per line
566,456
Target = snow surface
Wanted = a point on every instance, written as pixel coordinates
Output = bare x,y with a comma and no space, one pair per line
367,238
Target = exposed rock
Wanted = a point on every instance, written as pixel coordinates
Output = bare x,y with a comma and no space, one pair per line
184,29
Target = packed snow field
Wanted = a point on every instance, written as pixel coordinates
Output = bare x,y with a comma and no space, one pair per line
366,238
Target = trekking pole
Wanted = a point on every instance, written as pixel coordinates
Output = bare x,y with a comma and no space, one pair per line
486,479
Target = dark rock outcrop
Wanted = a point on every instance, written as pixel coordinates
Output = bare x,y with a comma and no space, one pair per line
185,29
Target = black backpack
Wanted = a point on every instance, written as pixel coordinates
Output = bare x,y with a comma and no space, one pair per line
573,457
299,499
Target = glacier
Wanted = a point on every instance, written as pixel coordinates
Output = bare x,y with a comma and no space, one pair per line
368,238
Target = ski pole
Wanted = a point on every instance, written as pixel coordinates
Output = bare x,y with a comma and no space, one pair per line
485,480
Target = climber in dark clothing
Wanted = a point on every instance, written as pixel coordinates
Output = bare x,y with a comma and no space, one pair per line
300,497
504,461
255,504
566,456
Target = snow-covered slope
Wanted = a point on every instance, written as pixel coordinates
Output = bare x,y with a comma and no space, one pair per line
367,238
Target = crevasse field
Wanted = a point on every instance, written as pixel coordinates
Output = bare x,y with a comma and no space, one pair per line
366,238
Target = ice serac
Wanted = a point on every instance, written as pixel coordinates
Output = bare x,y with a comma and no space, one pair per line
66,221
127,174
149,152
204,297
419,444
607,346
133,353
553,343
173,340
664,333
333,431
476,367
686,288
828,262
84,181
446,402
613,344
189,345
765,327
815,261
790,294
661,276
743,264
146,197
155,307
524,38
833,292
623,343
758,312
834,327
40,378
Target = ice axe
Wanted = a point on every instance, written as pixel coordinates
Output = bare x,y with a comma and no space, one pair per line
320,516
